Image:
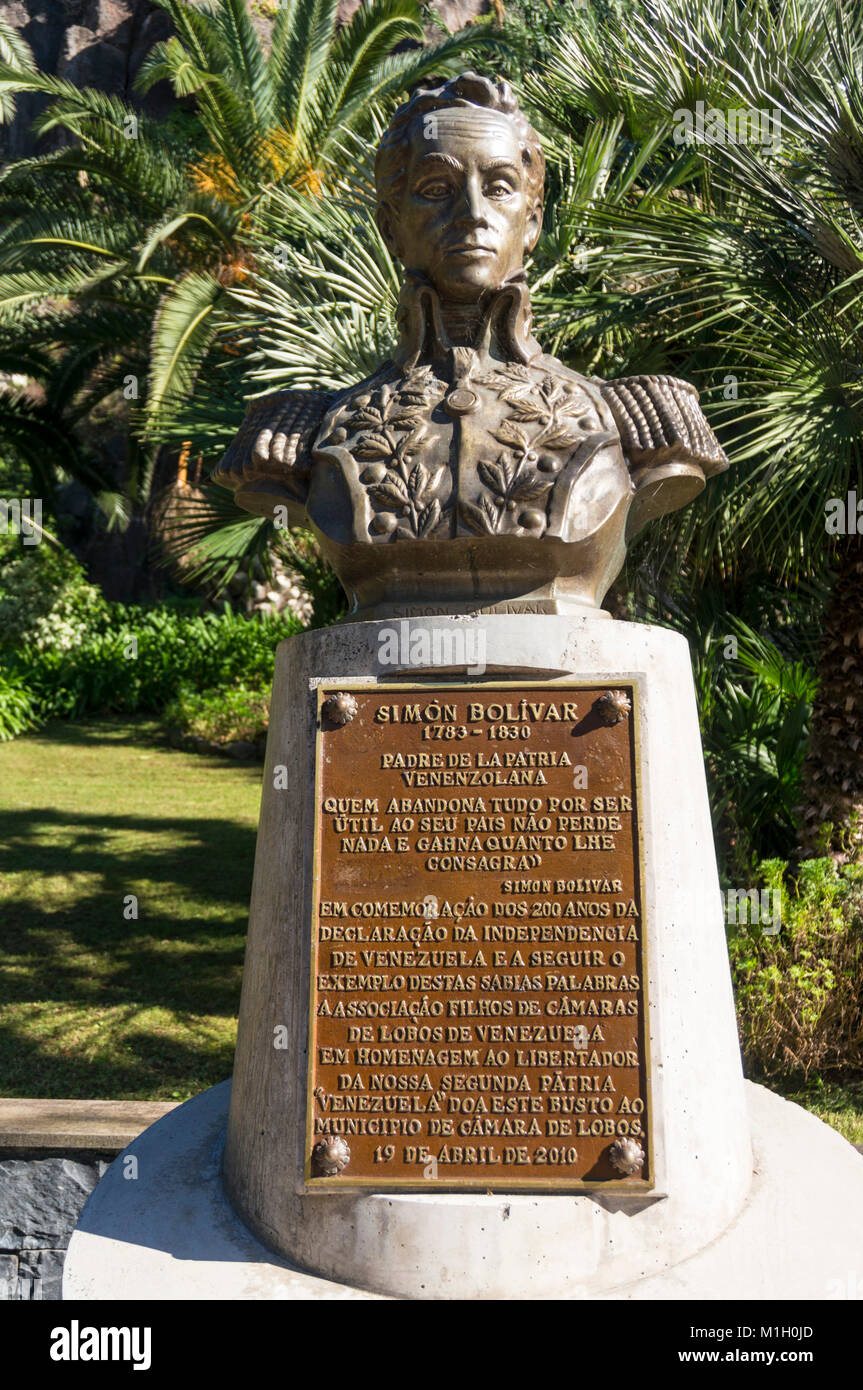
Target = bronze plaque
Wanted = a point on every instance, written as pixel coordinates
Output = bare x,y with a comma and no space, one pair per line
478,1008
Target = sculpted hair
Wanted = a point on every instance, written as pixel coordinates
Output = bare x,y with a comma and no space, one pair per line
469,89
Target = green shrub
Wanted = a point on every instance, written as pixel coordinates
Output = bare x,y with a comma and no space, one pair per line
799,1003
137,659
239,712
45,599
17,711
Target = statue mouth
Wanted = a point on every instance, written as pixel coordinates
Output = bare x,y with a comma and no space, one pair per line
470,248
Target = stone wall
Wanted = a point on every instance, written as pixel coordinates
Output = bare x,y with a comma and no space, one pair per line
99,43
40,1202
52,1155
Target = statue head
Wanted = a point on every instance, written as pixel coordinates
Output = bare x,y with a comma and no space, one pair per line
459,177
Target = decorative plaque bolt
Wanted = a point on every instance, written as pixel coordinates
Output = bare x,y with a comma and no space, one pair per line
340,708
330,1156
613,706
626,1156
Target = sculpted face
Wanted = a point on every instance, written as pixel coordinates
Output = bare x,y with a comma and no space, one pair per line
465,218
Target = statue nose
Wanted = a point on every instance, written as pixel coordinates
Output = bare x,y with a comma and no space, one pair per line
472,206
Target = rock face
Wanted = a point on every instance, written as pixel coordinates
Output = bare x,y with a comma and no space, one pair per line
98,43
40,1202
101,43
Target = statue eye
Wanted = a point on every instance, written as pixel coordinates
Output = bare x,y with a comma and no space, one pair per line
440,189
499,189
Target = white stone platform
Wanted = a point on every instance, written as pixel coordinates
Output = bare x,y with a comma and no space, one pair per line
169,1233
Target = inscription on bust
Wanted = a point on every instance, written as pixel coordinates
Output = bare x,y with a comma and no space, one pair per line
478,1013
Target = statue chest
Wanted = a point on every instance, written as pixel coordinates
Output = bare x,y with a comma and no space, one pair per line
494,450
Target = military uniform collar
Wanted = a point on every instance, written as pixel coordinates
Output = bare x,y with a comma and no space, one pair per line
503,325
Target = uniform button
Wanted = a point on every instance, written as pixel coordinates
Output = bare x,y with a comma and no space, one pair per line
530,519
461,401
383,523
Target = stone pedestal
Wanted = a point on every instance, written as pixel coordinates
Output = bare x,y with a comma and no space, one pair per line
424,1244
753,1197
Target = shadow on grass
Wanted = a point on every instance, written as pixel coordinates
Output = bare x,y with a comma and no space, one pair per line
147,1066
71,957
192,881
130,730
124,730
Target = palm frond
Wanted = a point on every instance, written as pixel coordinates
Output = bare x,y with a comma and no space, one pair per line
182,332
16,53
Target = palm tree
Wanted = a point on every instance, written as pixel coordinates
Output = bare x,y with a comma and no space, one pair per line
317,309
737,265
272,118
17,52
73,292
120,248
279,114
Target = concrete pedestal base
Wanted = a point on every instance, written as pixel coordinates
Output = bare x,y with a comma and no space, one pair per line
169,1233
413,1246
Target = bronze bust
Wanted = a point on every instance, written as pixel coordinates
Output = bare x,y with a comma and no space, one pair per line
472,472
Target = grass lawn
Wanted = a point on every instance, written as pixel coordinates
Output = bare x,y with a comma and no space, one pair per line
93,1002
